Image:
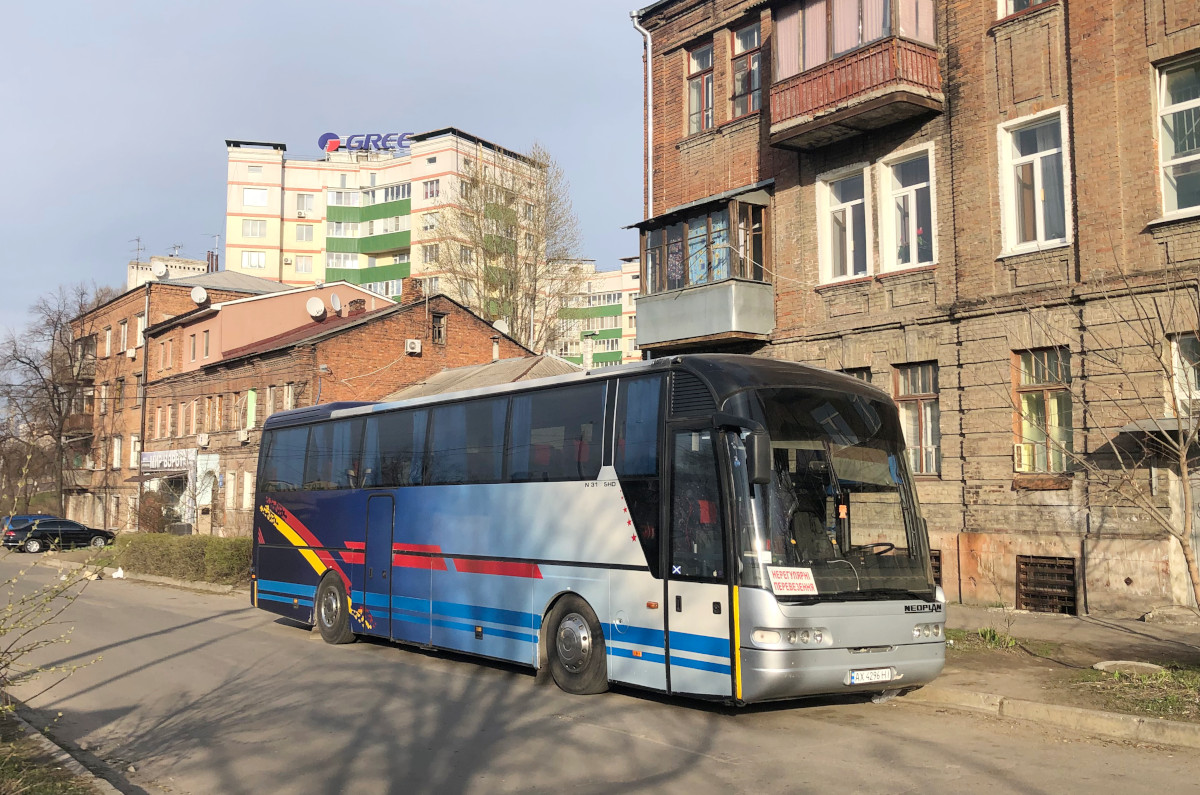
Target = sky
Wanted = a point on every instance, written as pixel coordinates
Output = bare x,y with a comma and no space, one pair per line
116,114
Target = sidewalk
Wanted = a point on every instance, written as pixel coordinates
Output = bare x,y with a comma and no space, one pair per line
1026,683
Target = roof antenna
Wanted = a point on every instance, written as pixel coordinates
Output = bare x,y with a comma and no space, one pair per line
138,249
176,247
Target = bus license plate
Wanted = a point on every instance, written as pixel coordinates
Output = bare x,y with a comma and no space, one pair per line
871,675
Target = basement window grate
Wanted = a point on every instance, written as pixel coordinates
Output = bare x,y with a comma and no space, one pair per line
1046,585
935,558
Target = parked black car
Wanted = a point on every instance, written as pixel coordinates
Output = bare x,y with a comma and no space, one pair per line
22,519
56,534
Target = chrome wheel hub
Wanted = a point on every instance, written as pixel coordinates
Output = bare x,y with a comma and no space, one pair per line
573,642
329,608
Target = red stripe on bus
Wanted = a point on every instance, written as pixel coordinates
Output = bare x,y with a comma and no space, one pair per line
419,562
501,567
352,557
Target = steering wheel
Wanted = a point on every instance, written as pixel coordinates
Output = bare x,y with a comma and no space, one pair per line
875,548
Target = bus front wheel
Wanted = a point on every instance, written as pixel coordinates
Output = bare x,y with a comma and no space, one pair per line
333,611
576,653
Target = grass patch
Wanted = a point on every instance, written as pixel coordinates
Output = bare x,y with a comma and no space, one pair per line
985,638
24,768
198,558
1172,693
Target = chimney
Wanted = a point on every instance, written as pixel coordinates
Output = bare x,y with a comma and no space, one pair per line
211,259
356,307
495,347
411,290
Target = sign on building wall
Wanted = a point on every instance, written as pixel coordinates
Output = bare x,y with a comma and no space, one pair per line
331,142
176,461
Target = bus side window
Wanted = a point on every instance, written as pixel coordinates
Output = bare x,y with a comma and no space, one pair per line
555,434
394,449
283,461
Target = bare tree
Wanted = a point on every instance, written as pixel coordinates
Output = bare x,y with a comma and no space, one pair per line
1124,350
510,242
47,369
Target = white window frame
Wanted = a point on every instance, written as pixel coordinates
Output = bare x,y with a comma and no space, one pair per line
1007,161
304,263
887,214
431,189
254,227
304,233
123,327
116,452
254,197
141,329
135,452
1185,379
304,202
825,209
249,258
108,342
1165,110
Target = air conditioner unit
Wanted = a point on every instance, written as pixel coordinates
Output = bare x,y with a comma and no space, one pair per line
287,260
243,435
202,440
1025,457
412,346
299,213
131,353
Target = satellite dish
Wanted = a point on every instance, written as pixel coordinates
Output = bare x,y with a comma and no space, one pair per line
159,270
335,302
501,326
199,295
315,307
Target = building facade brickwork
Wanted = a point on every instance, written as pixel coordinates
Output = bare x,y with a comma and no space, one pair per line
1030,199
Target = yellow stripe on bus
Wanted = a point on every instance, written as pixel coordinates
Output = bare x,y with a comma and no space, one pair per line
737,644
291,535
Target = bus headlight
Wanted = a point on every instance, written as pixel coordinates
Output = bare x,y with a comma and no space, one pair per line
926,631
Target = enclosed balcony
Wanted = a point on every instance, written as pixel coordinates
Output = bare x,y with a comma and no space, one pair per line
706,278
852,68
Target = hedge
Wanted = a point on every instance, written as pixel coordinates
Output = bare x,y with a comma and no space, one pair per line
203,558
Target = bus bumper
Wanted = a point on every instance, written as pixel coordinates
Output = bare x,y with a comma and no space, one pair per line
769,675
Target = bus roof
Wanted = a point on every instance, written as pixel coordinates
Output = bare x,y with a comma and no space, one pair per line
724,373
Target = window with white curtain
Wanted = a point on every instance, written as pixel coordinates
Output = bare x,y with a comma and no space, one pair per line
747,71
253,228
844,242
1034,175
1179,143
907,224
304,263
700,93
254,197
254,259
811,32
304,233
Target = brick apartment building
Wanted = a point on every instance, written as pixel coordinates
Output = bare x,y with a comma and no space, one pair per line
206,406
104,430
942,198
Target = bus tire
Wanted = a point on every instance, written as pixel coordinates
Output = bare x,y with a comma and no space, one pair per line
576,653
333,611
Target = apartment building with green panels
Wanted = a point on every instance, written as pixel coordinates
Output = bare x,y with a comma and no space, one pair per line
350,215
602,318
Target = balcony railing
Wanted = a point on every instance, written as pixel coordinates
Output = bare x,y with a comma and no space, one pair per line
886,82
78,424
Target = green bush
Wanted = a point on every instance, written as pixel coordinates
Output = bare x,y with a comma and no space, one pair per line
197,558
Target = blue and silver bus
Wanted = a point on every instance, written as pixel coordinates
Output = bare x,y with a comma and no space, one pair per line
719,526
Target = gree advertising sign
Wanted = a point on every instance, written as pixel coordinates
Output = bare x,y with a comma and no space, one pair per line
331,142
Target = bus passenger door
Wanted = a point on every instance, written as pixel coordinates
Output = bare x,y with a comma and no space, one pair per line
377,563
697,608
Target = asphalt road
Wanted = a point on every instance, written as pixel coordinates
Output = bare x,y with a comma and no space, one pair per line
201,693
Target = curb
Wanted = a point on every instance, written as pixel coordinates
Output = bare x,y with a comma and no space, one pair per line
194,585
1115,725
61,757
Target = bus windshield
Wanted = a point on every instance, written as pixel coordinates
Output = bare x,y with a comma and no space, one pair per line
837,519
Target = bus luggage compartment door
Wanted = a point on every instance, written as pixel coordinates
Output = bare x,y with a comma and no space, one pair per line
697,608
377,563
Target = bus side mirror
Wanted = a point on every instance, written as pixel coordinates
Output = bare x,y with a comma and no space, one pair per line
758,456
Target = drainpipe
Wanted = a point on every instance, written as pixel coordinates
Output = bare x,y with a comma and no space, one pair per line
142,403
649,115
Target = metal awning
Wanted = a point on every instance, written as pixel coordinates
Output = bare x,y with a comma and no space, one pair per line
1161,425
162,473
750,194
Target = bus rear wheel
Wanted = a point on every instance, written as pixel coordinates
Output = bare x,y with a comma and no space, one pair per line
576,653
333,612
